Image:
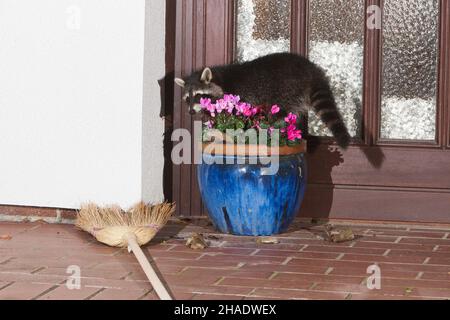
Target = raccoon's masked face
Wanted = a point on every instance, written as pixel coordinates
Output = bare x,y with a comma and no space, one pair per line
197,86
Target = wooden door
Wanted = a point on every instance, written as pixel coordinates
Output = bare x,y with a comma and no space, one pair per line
394,92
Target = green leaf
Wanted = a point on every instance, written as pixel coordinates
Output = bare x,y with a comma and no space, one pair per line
239,124
292,143
282,142
279,124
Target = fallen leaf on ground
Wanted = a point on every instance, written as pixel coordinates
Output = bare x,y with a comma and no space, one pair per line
267,240
196,242
5,237
408,291
338,236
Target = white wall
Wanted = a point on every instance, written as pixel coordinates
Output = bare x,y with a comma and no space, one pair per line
71,102
153,126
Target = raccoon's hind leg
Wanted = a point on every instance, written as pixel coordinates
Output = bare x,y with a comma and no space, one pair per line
323,103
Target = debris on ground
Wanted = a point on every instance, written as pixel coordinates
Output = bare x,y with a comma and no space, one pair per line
339,236
267,240
212,237
214,240
196,242
5,237
184,220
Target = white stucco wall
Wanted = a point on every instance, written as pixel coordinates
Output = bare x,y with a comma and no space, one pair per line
72,111
152,124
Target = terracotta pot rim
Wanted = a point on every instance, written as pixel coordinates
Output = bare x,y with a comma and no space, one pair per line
252,150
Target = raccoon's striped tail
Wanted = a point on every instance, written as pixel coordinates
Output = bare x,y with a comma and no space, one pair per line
324,105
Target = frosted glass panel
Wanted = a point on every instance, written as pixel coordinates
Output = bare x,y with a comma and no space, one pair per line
337,45
263,27
410,55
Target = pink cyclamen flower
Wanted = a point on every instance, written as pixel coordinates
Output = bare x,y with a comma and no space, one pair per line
239,108
230,108
247,113
229,98
291,119
231,102
293,134
245,109
255,111
209,124
206,104
221,105
275,109
212,110
257,125
271,130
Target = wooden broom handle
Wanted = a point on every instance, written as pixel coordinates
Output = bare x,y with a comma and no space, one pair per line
147,267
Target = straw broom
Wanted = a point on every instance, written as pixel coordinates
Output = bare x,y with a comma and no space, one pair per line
134,228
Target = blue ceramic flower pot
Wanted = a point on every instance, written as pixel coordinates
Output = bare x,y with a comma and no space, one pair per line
242,199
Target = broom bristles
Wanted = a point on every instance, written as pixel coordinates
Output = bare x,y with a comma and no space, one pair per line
110,224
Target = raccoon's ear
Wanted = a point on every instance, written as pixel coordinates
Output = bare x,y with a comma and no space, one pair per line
180,82
206,76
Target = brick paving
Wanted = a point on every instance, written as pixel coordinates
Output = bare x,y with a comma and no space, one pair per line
414,263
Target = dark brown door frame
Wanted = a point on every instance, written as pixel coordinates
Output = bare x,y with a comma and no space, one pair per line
204,36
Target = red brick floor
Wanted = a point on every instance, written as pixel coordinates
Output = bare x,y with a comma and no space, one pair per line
414,264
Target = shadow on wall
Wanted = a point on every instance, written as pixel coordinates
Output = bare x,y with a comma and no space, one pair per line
318,199
318,202
166,85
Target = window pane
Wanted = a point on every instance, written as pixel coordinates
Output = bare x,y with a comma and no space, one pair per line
410,55
337,45
263,27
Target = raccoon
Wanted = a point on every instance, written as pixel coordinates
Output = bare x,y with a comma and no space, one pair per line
288,80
